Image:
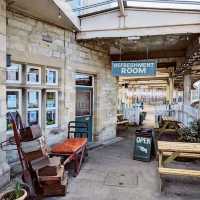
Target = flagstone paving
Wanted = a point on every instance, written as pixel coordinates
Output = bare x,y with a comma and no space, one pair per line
111,174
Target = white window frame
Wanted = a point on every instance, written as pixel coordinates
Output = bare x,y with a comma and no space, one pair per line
20,74
27,70
51,69
52,108
85,86
20,104
34,109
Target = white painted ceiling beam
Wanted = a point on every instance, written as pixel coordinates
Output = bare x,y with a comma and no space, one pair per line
148,31
139,22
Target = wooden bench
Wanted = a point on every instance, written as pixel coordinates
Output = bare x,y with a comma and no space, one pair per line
168,151
121,120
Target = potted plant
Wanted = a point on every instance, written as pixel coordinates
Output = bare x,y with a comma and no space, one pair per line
17,194
190,134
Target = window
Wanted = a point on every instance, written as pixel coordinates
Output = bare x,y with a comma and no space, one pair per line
33,75
83,103
13,100
13,73
51,76
34,96
84,79
51,108
33,107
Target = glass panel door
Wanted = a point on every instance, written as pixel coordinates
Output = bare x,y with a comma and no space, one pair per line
84,101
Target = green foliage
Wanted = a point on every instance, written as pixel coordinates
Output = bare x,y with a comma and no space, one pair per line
14,194
191,133
18,190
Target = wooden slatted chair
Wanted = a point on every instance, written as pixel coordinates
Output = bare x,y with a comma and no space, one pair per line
75,146
40,171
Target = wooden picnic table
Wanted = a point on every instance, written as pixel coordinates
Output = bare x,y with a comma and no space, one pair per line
168,151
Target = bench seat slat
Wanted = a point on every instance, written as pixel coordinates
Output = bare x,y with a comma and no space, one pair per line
123,122
179,172
183,155
179,147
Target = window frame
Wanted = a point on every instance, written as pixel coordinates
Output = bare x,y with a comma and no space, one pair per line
51,69
79,85
14,110
33,109
51,108
20,74
34,67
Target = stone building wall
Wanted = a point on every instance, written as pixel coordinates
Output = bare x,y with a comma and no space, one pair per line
25,44
4,168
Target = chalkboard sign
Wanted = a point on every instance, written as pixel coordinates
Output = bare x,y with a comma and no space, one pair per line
143,146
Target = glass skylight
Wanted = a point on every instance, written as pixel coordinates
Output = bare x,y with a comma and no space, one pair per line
82,7
165,4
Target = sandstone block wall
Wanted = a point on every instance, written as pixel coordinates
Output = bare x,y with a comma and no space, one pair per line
25,43
4,167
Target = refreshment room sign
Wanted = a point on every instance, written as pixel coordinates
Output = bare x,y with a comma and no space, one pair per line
134,68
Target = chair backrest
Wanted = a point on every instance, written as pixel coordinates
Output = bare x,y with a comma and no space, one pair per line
77,129
16,121
29,148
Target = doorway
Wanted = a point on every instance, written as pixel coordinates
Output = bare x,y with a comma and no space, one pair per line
84,101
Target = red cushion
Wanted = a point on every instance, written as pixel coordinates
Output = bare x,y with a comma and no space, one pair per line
69,146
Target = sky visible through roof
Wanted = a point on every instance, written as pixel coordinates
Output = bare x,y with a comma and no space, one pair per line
81,7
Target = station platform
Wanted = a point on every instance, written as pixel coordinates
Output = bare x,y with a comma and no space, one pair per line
112,174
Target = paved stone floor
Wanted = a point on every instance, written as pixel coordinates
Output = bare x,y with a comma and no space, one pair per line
112,174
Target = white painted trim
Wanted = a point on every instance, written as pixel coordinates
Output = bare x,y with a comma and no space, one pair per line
20,73
147,31
35,67
46,73
139,22
54,108
33,109
13,110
